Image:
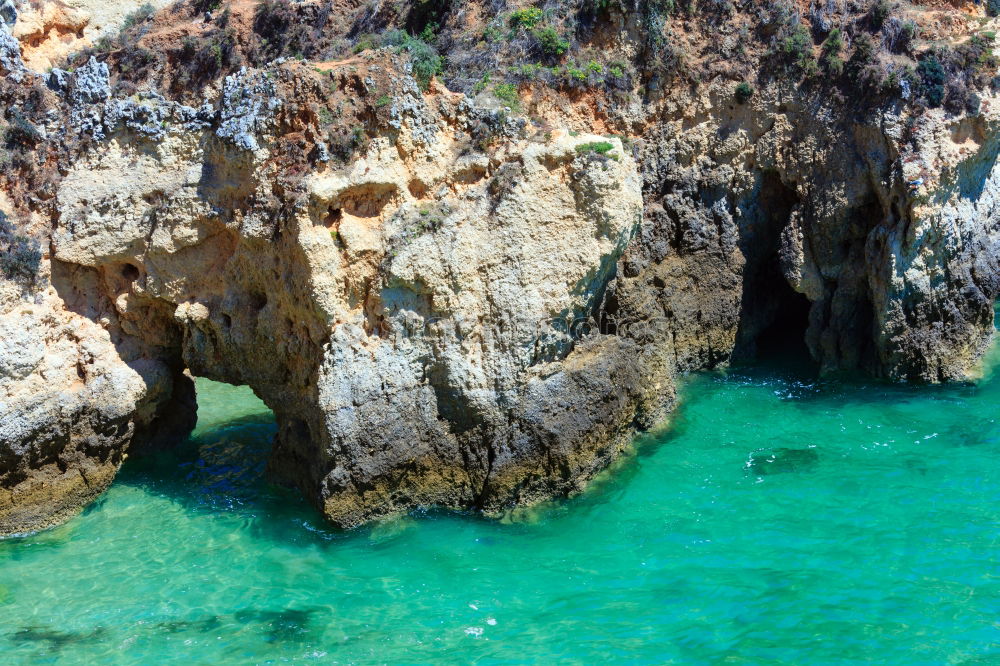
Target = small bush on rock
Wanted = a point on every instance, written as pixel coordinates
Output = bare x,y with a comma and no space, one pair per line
831,59
932,76
797,47
550,41
507,93
137,17
880,11
602,148
744,92
19,255
426,61
526,18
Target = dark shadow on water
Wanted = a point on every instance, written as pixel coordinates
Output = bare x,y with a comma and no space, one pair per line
54,640
203,626
284,626
781,460
220,469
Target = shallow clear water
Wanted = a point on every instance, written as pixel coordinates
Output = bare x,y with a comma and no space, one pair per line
778,520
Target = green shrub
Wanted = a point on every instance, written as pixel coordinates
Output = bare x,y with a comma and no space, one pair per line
859,65
880,11
426,62
550,41
105,44
993,7
507,93
978,52
831,48
201,59
834,43
365,42
492,34
864,50
527,18
135,59
429,33
908,32
797,43
932,76
602,148
141,15
424,58
528,71
797,47
744,92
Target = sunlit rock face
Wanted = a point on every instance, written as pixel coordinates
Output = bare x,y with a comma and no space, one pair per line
407,315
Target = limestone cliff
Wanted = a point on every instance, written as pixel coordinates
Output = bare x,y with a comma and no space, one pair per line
461,300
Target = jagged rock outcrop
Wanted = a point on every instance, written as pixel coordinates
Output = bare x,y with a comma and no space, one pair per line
408,316
444,303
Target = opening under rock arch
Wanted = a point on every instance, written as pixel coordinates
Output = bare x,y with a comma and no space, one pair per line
222,463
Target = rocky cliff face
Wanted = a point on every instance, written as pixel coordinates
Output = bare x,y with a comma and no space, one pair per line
444,303
784,213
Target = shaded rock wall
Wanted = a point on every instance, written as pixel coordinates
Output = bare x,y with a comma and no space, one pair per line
753,200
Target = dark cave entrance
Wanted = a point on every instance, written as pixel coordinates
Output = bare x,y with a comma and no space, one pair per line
774,317
785,335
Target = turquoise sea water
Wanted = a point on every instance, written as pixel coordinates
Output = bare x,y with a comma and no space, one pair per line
778,520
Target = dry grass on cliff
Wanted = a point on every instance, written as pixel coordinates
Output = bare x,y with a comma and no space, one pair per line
618,50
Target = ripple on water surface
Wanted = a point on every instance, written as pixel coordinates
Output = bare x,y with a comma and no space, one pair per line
777,520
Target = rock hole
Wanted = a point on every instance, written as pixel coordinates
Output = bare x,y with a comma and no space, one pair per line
333,218
469,176
785,335
418,188
130,272
225,459
258,301
367,200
